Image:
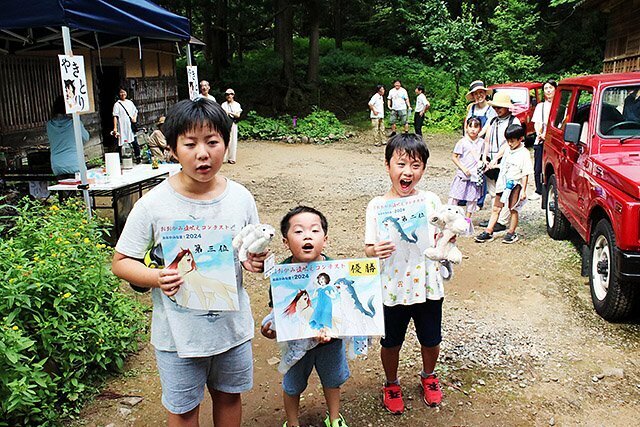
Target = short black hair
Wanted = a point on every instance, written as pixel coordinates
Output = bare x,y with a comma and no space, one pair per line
58,106
285,222
420,88
551,82
397,80
408,143
378,87
188,115
474,119
514,132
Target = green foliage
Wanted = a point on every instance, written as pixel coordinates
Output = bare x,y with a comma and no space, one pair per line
320,124
65,324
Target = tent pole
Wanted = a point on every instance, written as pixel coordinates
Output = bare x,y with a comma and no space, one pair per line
189,61
77,131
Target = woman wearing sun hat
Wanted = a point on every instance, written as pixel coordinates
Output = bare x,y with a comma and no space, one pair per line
479,106
233,110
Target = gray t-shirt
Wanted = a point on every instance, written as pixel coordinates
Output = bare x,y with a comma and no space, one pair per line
192,333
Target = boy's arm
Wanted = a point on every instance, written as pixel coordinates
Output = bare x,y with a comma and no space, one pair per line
137,273
494,161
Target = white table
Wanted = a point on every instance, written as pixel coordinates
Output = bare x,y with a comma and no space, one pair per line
132,181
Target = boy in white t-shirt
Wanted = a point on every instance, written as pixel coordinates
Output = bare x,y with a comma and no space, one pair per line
194,349
398,102
376,105
406,159
511,184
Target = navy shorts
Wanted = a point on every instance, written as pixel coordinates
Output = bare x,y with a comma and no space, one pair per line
330,361
427,318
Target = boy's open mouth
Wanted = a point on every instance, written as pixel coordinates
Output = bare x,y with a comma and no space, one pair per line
405,183
307,247
203,168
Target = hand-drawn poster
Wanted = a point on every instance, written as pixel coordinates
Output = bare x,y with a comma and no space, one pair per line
339,297
192,79
404,222
203,255
74,83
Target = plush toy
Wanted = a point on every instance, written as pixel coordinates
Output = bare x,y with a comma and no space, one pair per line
451,222
253,238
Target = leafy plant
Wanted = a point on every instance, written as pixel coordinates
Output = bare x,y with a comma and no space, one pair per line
65,323
320,124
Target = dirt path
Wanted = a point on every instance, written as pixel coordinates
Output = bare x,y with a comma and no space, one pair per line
522,344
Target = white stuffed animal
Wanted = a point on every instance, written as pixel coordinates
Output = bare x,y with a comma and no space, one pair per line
451,222
253,238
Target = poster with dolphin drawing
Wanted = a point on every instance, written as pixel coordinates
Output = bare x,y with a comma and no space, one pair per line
340,297
202,253
404,222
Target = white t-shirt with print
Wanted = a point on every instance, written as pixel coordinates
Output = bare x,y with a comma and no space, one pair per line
496,137
399,295
398,98
377,102
515,165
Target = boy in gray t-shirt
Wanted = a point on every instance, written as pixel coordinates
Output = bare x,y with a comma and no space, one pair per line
194,348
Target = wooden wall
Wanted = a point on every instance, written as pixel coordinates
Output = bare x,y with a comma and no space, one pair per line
622,51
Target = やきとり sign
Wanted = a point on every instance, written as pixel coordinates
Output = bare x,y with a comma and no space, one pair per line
340,297
202,253
74,83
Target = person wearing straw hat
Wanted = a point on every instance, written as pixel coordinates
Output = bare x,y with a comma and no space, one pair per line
479,107
157,142
233,110
494,148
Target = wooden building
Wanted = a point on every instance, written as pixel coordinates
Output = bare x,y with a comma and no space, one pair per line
622,51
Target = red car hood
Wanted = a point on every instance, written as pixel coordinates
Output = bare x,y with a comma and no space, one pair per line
621,169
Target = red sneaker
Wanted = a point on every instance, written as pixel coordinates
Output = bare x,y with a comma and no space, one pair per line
431,391
392,399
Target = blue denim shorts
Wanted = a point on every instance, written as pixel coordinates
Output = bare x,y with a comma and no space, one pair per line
183,379
330,361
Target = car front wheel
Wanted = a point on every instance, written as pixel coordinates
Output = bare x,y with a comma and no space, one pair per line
557,223
612,298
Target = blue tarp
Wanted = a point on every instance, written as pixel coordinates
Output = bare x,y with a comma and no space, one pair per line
140,18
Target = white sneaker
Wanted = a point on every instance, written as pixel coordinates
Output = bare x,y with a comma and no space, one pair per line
535,196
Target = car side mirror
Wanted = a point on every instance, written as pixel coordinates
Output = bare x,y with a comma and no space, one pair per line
572,133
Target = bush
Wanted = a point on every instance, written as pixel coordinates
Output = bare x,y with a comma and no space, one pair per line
65,324
320,124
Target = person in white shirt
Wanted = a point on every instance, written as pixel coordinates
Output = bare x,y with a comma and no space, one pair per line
422,105
376,105
204,90
124,114
233,110
540,120
398,102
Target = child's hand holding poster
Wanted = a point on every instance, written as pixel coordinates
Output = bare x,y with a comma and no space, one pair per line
339,297
203,255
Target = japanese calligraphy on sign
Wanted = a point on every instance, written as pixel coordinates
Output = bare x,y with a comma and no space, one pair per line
192,79
74,83
203,255
341,297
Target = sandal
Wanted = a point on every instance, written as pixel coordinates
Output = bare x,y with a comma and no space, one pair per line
232,162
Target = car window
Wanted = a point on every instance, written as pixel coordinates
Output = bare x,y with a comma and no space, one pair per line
620,111
517,95
582,112
533,97
561,114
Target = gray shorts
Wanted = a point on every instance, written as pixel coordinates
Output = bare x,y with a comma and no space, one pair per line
398,116
183,379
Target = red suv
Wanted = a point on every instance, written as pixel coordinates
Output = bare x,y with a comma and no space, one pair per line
525,96
591,166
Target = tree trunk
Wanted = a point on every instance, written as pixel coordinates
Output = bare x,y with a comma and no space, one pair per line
314,42
219,39
337,23
284,38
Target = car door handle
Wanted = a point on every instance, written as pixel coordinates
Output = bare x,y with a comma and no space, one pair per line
564,151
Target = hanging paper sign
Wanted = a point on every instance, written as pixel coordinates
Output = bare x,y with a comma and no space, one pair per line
192,78
74,83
